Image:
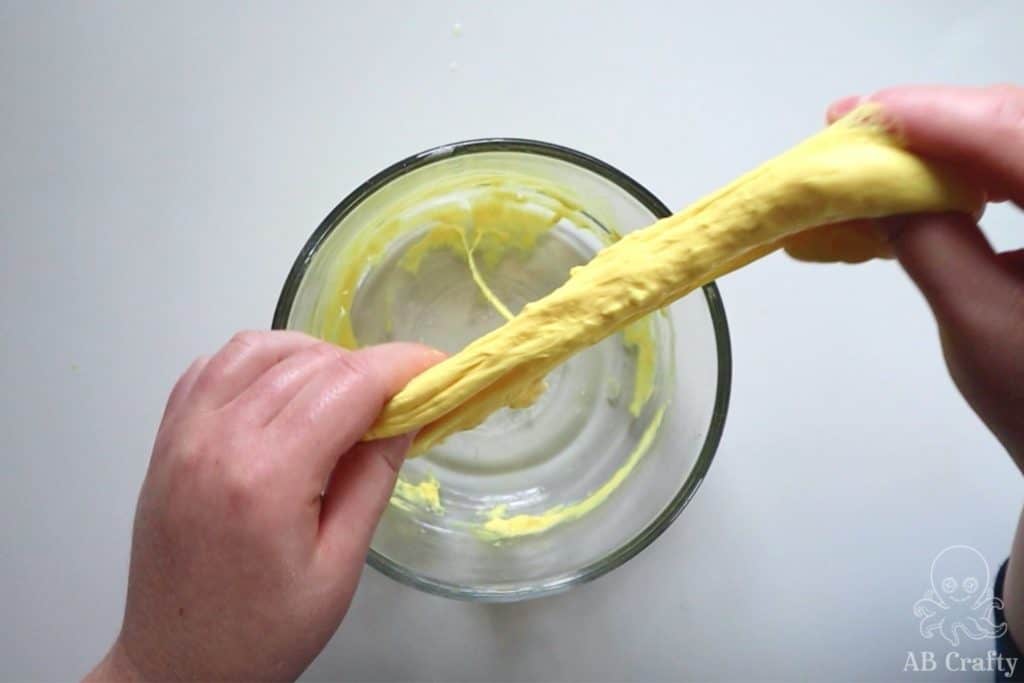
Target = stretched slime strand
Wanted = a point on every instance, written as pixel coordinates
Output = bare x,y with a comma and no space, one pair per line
855,169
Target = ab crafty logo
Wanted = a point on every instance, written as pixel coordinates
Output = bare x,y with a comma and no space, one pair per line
958,607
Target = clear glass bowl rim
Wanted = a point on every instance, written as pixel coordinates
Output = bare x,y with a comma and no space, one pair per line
714,301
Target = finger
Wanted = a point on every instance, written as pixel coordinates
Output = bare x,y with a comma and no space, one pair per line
183,387
982,128
842,107
262,400
337,407
979,306
356,497
244,358
1014,261
954,266
850,242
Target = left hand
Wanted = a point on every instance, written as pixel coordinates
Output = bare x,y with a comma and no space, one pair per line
258,508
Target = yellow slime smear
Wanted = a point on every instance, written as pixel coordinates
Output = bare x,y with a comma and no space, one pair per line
454,237
499,526
425,495
506,219
486,223
500,219
638,337
854,169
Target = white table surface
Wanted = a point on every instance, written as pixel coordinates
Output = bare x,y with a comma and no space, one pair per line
162,164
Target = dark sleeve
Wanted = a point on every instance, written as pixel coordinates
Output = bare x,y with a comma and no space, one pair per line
1005,644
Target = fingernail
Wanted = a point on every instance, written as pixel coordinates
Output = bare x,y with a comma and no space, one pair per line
436,356
844,105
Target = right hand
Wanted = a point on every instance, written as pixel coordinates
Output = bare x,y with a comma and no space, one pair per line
976,295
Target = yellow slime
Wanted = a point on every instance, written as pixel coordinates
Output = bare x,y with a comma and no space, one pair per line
481,219
500,525
854,169
495,217
425,495
486,224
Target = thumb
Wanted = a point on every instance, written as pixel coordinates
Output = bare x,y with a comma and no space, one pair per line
356,497
363,478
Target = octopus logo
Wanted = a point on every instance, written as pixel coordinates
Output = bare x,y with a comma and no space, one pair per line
958,604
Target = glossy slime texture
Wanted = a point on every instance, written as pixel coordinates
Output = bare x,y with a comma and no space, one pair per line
854,169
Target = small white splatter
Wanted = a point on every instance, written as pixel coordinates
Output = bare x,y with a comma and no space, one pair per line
453,66
456,29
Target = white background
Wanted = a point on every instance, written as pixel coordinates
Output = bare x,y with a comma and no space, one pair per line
161,165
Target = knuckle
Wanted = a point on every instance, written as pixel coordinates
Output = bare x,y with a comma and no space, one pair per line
196,366
328,352
193,446
246,481
215,469
240,344
245,339
179,476
352,366
218,468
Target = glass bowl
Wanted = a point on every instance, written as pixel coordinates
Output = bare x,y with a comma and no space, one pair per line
440,248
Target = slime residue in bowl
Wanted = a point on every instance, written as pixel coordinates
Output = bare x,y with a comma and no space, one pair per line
388,283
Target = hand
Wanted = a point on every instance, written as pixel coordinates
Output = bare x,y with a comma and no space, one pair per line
976,295
240,568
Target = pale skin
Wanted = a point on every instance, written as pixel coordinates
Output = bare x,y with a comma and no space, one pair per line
976,294
257,511
240,568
